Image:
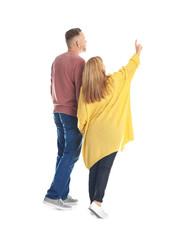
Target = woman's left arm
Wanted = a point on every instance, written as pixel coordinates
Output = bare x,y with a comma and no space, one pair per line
81,114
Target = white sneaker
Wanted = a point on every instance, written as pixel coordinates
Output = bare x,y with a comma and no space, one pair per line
98,211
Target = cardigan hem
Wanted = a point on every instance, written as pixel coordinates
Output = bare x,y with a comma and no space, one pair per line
100,157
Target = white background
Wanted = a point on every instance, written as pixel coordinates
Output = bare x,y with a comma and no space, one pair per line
145,193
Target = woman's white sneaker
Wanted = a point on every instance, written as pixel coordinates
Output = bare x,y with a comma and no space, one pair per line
97,210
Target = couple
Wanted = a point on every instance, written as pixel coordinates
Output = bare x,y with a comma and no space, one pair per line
91,111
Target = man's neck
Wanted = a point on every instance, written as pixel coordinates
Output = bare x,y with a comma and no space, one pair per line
73,51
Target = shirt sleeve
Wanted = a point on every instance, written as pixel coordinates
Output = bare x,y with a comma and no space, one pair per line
128,71
81,114
78,78
131,67
51,78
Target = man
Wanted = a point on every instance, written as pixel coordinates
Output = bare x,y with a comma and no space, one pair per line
66,80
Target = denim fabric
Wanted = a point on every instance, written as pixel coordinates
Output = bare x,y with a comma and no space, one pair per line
69,142
98,177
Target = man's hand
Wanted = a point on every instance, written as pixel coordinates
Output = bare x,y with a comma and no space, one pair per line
138,48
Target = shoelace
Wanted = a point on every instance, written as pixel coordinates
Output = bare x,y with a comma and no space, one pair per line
61,201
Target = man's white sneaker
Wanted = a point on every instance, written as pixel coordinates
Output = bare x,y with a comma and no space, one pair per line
98,211
70,201
56,203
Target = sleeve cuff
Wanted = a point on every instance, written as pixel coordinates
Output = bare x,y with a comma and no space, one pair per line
136,58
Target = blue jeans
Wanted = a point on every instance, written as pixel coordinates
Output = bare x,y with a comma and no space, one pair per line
69,142
98,177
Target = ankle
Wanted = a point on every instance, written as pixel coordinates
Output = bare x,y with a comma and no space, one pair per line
98,203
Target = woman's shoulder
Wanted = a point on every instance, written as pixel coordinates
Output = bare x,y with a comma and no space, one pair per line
118,74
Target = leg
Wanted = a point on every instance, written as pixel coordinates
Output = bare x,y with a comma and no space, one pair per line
60,137
92,180
60,143
104,168
73,143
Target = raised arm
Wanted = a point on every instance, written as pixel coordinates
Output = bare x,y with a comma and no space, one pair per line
128,71
133,62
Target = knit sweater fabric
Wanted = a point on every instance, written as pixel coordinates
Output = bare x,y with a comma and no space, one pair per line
66,81
107,125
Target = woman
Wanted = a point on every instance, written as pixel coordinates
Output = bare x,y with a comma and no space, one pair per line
104,119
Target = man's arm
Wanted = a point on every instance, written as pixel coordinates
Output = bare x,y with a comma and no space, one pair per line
78,78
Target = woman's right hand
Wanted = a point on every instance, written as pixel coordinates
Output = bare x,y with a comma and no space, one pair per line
138,48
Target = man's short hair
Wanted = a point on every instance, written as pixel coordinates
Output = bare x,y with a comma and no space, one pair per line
70,34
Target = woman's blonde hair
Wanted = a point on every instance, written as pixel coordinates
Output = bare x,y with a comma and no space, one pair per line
94,81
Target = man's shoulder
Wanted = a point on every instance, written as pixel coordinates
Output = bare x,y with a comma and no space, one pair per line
60,56
69,56
75,57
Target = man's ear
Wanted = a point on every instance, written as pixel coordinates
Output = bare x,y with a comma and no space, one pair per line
77,43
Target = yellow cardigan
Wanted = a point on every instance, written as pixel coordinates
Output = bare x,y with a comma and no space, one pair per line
107,125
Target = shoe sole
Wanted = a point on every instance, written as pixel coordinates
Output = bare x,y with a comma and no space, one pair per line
95,213
56,207
71,204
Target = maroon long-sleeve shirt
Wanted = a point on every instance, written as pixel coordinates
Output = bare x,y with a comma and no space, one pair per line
66,81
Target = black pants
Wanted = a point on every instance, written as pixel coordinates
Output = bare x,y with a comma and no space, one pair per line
98,177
